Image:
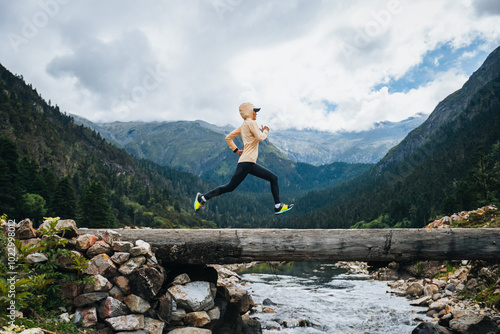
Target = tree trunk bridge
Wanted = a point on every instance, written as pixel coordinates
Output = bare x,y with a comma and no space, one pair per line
220,246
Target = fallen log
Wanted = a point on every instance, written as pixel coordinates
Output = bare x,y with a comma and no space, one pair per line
205,246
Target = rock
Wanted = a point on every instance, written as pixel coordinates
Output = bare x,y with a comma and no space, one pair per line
190,330
164,311
66,228
109,236
89,316
77,318
65,317
137,251
120,257
474,324
194,296
101,264
122,246
147,280
100,247
424,301
145,245
136,304
471,284
89,298
430,328
197,319
268,302
116,293
439,304
84,242
25,230
181,279
179,314
128,267
70,290
451,287
106,330
36,258
153,326
126,322
112,307
214,313
67,263
139,331
241,297
430,289
123,283
415,289
101,283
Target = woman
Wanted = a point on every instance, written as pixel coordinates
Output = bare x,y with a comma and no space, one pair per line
247,163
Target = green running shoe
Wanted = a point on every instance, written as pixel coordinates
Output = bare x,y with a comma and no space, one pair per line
283,208
198,202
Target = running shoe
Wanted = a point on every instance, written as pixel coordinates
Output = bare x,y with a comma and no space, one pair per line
198,202
283,208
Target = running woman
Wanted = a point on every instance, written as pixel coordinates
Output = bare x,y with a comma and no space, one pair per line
247,163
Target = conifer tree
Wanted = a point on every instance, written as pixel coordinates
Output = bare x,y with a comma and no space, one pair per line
64,204
9,173
94,208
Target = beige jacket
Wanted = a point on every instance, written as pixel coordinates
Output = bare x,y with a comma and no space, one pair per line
250,133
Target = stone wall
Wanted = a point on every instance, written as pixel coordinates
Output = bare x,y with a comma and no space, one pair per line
133,293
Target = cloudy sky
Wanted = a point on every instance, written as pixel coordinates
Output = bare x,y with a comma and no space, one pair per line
327,65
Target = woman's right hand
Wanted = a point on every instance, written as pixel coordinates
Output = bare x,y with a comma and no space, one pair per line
239,152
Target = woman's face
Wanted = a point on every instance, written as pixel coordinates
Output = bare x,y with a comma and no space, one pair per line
254,115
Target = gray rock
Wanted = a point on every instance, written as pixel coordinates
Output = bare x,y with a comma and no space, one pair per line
116,293
472,324
126,322
164,311
424,301
179,314
451,287
89,298
439,304
415,289
89,316
147,280
194,296
128,267
112,307
100,247
181,279
109,236
122,246
153,326
137,251
190,330
136,304
101,264
120,257
430,328
36,258
66,228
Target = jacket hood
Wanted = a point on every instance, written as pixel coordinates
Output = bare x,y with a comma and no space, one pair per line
246,110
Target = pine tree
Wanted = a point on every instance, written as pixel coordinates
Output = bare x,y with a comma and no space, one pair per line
64,203
94,208
9,174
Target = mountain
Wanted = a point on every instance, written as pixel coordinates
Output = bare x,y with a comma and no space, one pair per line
199,148
448,164
48,164
321,147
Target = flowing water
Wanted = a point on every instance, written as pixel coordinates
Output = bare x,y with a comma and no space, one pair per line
320,298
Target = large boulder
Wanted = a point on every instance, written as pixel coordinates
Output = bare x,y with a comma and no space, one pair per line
147,280
470,324
194,296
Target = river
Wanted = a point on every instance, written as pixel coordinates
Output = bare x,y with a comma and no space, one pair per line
325,299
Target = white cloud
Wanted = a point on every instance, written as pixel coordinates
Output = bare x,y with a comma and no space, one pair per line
124,60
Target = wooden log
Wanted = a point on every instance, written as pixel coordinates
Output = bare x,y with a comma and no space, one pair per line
204,246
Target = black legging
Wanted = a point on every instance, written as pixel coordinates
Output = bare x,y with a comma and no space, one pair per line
243,169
